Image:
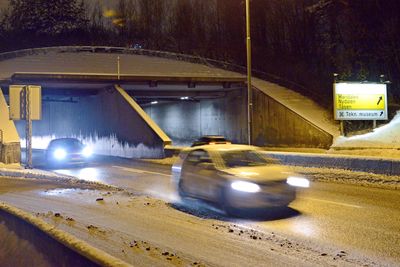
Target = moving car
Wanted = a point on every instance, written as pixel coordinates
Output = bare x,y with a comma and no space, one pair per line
234,176
211,140
63,151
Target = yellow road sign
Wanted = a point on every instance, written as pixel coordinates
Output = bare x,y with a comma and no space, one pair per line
357,102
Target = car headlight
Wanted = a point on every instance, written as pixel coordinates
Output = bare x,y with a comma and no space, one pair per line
248,187
87,152
298,181
60,154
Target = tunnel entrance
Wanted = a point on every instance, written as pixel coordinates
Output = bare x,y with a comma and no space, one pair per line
135,117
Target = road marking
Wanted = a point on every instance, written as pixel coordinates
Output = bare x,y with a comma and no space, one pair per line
332,202
140,171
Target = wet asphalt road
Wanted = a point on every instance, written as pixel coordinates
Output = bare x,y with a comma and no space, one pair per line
349,217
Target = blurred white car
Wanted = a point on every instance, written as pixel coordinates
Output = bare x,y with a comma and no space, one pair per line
235,177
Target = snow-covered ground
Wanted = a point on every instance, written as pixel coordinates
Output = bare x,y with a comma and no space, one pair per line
382,142
386,136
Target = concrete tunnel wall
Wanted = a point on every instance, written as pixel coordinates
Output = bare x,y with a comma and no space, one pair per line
107,122
275,125
185,121
10,150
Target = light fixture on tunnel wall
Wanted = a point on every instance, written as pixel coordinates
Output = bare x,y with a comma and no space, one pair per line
154,102
184,98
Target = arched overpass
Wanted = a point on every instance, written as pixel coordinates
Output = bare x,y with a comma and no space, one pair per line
194,98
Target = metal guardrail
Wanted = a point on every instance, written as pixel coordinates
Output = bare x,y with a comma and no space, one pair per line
169,55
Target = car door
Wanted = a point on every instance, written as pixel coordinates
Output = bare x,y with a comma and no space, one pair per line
199,174
207,178
189,180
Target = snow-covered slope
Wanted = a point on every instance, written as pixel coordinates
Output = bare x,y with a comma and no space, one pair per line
300,104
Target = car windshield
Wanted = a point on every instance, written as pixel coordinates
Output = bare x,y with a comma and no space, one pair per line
245,158
67,143
212,139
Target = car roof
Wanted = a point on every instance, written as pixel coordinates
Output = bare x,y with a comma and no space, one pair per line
212,136
65,139
223,147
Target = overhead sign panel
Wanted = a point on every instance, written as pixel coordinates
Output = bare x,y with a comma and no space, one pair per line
360,101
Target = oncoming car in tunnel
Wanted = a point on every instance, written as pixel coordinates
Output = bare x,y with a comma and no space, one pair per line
210,140
236,177
65,151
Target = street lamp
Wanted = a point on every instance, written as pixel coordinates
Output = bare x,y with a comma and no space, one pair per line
249,92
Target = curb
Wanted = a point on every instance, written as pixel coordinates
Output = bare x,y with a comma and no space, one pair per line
71,242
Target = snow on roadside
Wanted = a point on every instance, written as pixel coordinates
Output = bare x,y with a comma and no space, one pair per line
349,177
14,166
50,176
164,161
386,136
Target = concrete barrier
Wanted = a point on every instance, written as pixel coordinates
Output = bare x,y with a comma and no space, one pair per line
56,247
9,140
354,163
10,153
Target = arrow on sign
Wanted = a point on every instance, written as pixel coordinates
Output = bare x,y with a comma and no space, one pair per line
380,99
381,114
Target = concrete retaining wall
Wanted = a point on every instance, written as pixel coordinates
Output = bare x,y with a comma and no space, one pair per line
23,238
10,151
185,121
276,125
107,122
373,165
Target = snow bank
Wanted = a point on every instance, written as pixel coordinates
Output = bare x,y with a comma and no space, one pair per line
51,176
14,166
31,173
386,136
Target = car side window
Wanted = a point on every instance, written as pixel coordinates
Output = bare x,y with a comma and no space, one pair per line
198,156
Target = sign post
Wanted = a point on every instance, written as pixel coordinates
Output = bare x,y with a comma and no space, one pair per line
26,104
